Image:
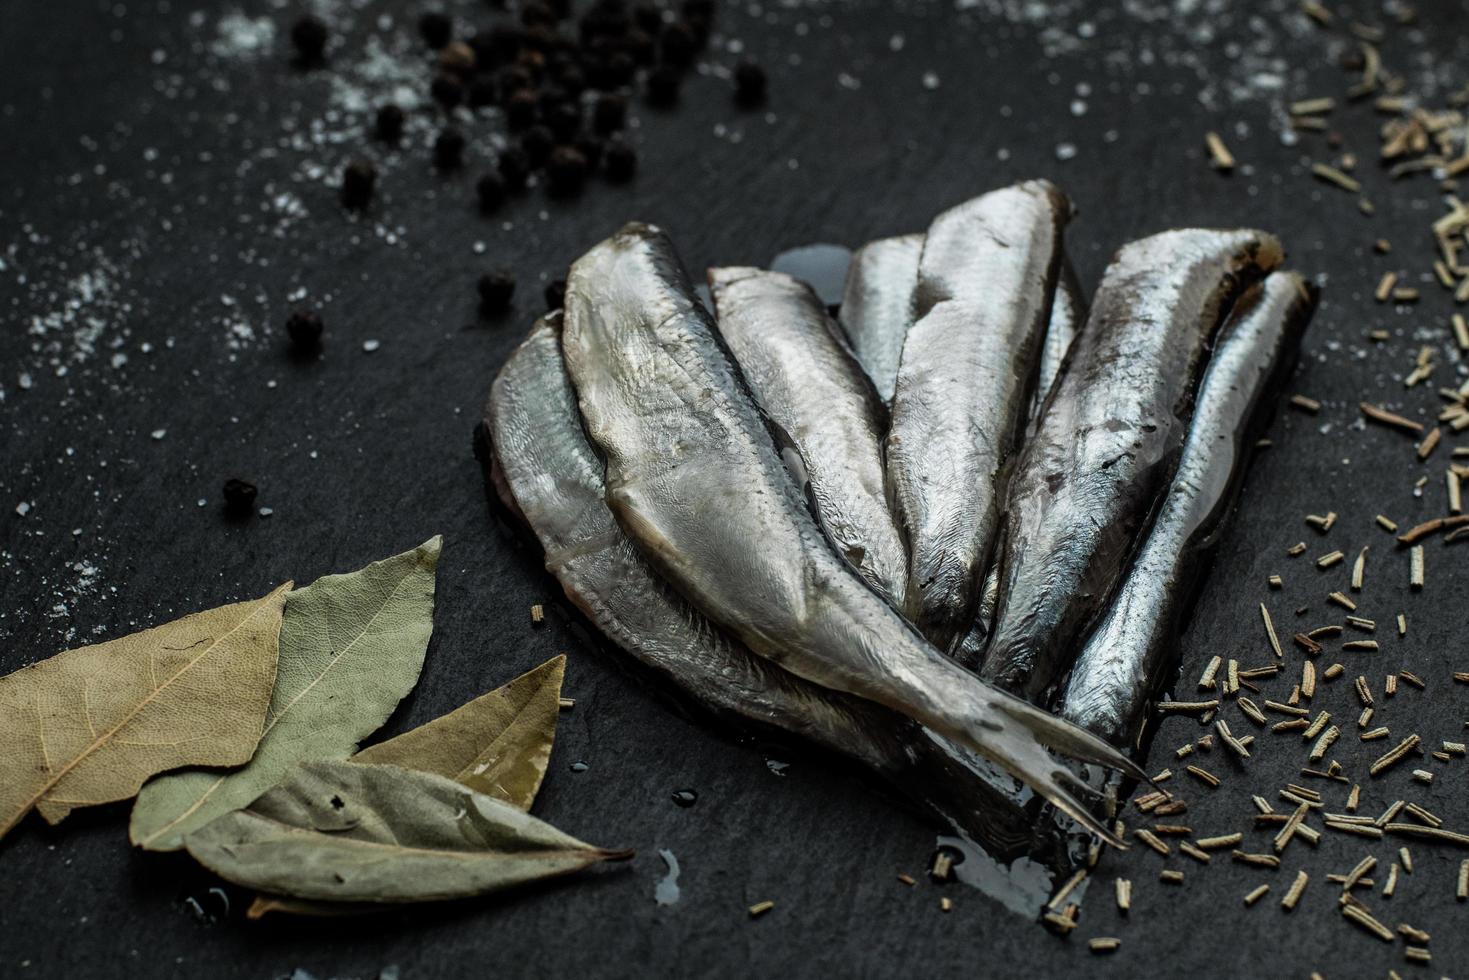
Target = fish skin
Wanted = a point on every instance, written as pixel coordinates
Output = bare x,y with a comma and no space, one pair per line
1251,363
549,477
808,383
694,477
877,305
1108,442
969,368
1068,313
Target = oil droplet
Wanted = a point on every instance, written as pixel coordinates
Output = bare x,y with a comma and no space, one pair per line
685,798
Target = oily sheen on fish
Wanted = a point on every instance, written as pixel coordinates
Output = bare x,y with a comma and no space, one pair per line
695,478
810,385
551,478
969,368
1118,667
877,305
1108,442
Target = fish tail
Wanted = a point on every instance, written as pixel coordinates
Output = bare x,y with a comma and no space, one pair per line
1016,735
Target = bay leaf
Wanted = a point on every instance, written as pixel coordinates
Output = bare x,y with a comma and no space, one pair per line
353,832
351,647
498,744
90,725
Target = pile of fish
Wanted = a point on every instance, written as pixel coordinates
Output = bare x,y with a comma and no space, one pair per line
949,535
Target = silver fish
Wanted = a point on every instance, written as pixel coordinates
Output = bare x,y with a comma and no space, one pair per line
695,478
545,471
1068,313
969,368
877,305
809,384
1108,442
1119,664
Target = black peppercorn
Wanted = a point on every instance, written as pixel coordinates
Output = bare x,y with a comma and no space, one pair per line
571,79
447,90
641,47
491,191
555,294
514,167
358,179
436,28
537,15
566,171
749,79
388,126
648,17
620,160
308,37
482,92
239,497
457,58
678,44
448,149
620,69
537,143
496,289
610,114
564,121
304,327
591,151
520,109
661,88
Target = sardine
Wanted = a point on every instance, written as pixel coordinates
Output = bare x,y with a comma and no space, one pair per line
809,384
1119,665
1068,313
877,305
970,365
1108,442
548,475
695,479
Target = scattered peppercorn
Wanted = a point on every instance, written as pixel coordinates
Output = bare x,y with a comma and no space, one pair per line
537,143
448,149
308,37
520,110
239,497
496,289
591,151
621,161
678,44
555,294
447,90
436,27
458,58
514,167
304,327
537,15
564,121
610,115
749,79
389,124
358,179
491,191
661,87
566,171
482,92
648,17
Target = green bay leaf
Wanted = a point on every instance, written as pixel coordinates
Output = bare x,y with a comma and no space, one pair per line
352,832
351,647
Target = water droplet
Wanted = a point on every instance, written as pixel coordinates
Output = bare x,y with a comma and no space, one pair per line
579,767
1065,151
371,345
685,798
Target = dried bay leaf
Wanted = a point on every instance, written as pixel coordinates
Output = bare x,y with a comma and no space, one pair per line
89,725
352,832
351,647
498,744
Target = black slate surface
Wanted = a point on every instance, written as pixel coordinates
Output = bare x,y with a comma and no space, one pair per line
169,188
